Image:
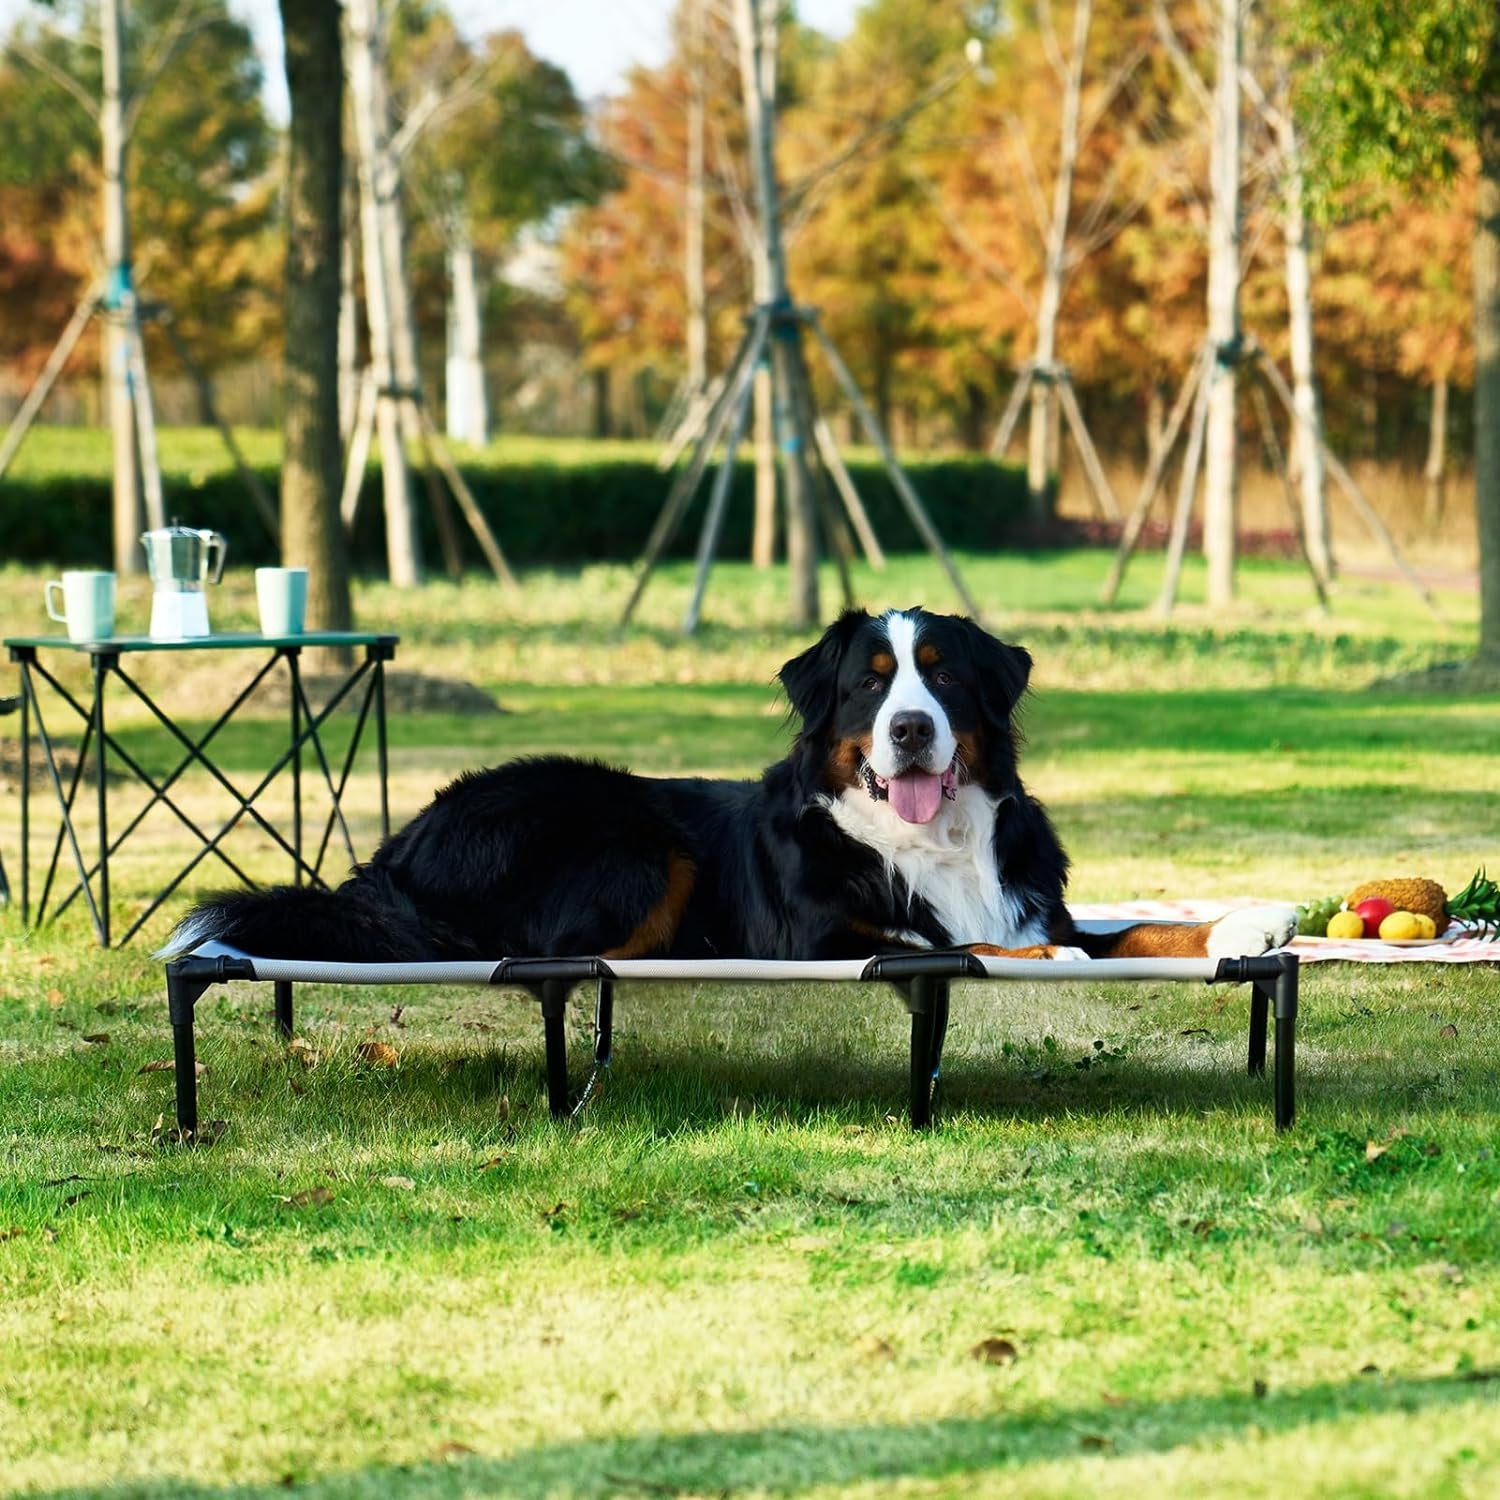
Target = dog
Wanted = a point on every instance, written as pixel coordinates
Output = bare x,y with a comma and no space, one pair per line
898,822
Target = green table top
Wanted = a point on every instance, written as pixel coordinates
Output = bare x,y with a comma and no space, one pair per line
225,642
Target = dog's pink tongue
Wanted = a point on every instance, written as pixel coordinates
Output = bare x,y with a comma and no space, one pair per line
916,796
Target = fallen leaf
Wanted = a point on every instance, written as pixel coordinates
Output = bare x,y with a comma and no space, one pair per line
55,998
1096,1442
1450,1031
871,1347
1205,1227
11,1233
1369,1369
378,1054
166,1065
317,1197
98,1038
493,1162
452,1449
1374,1150
404,1183
502,1109
305,1053
75,1198
396,1020
994,1351
1312,1224
555,1212
1258,1389
1111,1398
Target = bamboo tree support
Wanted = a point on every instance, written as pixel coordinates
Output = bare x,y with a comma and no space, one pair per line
251,480
833,462
1135,523
1186,489
438,456
1000,444
145,416
908,496
835,528
669,518
463,494
1104,495
1288,489
361,436
42,386
718,502
1367,512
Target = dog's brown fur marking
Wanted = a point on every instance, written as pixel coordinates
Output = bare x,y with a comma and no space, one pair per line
882,661
1160,940
844,761
655,931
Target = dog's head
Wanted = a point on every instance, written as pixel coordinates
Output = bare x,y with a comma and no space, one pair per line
907,706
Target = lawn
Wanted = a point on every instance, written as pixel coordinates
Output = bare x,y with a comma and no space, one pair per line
740,1274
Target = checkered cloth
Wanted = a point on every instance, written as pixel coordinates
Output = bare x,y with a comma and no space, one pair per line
1451,949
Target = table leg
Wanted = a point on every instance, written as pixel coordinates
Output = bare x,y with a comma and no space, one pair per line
291,654
27,689
101,672
380,748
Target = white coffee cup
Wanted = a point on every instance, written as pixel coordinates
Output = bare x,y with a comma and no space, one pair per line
88,604
281,594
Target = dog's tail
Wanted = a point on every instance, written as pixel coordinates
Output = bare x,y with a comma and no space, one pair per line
365,920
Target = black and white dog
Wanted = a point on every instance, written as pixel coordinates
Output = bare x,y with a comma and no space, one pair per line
898,822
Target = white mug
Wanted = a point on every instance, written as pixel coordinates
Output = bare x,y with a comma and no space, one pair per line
88,604
281,594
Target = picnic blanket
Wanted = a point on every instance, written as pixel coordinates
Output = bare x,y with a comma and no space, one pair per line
1454,947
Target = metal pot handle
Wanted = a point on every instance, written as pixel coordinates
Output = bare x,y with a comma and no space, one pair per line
216,539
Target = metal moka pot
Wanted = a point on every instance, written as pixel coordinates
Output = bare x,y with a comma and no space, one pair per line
180,560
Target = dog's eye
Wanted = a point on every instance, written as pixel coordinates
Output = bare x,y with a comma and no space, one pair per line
942,678
872,683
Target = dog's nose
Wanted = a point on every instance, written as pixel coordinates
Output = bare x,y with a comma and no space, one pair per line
911,730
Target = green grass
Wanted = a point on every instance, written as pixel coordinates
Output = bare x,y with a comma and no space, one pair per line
740,1273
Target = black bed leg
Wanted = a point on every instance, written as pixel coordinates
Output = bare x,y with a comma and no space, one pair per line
283,988
554,994
604,1023
1259,1008
182,996
1285,1081
922,1002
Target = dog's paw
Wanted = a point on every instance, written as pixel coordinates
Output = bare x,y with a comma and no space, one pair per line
1251,932
1060,953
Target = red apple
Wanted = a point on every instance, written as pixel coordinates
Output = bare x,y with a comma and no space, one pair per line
1372,911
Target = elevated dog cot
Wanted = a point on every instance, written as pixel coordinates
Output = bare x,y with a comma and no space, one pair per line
922,979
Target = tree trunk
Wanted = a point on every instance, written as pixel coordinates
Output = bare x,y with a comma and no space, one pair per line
379,179
756,33
1436,469
1041,496
1307,452
1221,479
697,317
312,536
468,411
119,297
1487,362
348,304
763,542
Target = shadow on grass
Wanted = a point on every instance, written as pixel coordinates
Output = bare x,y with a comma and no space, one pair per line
789,1460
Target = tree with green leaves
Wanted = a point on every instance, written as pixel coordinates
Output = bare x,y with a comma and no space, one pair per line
1388,92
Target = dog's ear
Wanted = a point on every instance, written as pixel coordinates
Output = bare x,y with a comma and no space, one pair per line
809,680
1001,672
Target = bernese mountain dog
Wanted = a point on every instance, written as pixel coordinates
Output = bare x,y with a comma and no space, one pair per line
898,822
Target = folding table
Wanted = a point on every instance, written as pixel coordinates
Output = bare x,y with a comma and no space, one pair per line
105,661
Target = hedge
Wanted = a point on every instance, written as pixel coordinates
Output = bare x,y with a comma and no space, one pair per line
542,513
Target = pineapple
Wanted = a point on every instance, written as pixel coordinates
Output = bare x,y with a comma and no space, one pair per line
1406,894
1477,905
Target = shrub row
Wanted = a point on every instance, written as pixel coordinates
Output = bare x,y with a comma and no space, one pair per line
541,513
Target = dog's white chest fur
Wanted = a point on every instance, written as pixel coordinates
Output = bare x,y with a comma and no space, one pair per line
949,863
